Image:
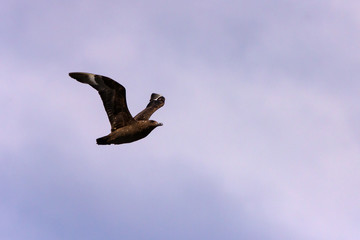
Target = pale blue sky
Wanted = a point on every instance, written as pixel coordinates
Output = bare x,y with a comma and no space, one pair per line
261,121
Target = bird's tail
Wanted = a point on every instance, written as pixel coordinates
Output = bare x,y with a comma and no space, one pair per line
103,141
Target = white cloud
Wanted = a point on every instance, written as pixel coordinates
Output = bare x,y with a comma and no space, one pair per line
258,125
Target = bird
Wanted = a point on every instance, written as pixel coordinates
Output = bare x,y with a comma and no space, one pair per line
124,127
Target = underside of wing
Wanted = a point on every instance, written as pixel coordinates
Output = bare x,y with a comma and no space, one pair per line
156,102
113,96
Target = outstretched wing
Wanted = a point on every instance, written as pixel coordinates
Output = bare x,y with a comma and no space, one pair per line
156,102
113,96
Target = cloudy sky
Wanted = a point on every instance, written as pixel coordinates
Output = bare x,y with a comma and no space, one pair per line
261,121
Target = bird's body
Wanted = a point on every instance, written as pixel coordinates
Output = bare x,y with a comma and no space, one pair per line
129,133
124,128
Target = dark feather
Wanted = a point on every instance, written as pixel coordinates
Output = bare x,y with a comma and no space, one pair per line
156,102
113,96
124,128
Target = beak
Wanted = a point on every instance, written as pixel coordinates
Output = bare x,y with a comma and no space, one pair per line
160,124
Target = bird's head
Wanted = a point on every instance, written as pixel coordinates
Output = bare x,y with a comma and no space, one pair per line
154,123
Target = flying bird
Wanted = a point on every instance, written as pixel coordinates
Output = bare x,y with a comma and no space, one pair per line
124,127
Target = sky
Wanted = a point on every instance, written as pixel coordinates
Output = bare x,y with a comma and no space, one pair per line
261,120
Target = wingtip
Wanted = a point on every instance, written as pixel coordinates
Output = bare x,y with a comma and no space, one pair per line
77,75
83,77
72,74
155,96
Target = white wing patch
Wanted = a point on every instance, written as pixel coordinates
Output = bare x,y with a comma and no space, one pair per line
92,79
155,96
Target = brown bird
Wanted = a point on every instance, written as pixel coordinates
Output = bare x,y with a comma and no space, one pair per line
124,127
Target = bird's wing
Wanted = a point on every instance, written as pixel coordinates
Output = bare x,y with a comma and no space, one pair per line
113,96
156,102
